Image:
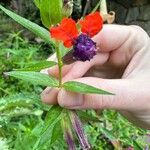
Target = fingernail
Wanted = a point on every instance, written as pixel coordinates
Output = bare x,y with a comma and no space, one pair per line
68,99
49,95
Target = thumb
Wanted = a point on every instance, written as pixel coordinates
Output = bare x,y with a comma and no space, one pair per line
120,87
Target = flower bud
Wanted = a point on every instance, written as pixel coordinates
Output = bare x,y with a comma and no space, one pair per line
67,8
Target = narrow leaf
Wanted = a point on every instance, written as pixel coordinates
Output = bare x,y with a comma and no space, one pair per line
74,86
26,99
96,7
137,146
53,117
84,116
33,27
35,78
108,134
57,133
17,100
38,66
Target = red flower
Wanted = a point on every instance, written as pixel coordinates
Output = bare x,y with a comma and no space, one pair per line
92,24
67,30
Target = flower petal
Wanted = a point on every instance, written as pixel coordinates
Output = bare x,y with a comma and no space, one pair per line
65,32
92,24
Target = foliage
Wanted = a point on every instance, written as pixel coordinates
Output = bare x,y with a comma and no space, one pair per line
50,11
41,32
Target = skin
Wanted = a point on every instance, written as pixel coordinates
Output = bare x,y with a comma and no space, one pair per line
121,66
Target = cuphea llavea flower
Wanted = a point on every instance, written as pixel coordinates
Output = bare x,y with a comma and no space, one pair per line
84,48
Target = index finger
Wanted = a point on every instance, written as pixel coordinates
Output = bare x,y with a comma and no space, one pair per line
111,37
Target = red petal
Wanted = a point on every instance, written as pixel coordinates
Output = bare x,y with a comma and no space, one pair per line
92,24
65,32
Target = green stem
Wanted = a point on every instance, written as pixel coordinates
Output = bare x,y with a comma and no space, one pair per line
60,64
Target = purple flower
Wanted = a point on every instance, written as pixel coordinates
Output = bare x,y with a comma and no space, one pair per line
84,48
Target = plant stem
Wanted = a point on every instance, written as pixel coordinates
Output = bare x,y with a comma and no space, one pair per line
86,7
60,64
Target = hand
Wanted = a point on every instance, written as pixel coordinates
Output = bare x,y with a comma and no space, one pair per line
122,66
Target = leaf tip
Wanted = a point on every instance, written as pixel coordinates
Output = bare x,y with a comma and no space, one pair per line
108,93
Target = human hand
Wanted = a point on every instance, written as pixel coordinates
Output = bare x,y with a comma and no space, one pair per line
121,66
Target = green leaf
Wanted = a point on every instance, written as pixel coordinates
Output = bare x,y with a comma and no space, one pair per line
35,78
78,87
108,134
33,27
96,7
50,11
26,100
137,146
52,119
112,138
16,100
57,133
38,66
84,116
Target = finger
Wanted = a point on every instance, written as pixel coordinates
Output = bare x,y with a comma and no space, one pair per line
122,99
111,37
54,71
107,42
80,68
74,71
49,95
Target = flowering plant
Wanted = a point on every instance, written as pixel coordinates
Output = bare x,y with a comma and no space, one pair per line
83,49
